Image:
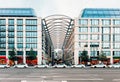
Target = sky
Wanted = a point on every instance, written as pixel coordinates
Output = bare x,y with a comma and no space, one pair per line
71,8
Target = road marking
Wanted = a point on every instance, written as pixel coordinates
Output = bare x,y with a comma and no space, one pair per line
63,81
116,80
42,81
23,81
82,79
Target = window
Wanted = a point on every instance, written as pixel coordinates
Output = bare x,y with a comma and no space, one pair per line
19,52
10,34
83,37
106,38
19,45
10,46
11,21
19,22
2,52
31,40
10,40
31,21
94,29
2,22
2,28
93,53
31,34
19,34
116,30
107,53
31,28
2,34
116,45
94,37
106,45
10,28
116,54
116,22
83,29
94,21
83,22
106,22
20,40
106,30
116,38
3,46
19,28
31,45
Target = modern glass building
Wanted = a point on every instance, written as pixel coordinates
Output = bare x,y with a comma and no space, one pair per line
22,30
96,30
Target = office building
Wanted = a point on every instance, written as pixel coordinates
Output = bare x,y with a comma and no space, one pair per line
96,30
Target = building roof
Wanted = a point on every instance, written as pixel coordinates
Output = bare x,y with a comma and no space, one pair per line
17,12
100,13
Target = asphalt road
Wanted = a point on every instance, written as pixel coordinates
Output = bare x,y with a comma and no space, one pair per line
60,75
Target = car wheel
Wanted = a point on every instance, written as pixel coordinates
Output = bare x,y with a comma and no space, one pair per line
15,66
63,66
95,67
103,66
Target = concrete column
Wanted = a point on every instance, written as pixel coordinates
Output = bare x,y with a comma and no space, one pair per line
39,41
111,43
7,54
24,42
76,41
15,33
100,35
88,38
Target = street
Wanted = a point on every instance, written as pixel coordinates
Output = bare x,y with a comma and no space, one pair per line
60,75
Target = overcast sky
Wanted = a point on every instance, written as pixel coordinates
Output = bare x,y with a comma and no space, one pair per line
70,8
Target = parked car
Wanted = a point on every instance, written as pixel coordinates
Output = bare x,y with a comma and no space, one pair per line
4,66
20,66
41,66
60,66
100,65
116,65
78,66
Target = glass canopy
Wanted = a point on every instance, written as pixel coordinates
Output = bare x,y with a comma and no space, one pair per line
58,27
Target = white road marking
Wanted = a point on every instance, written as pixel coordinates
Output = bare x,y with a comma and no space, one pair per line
23,81
82,79
63,81
116,80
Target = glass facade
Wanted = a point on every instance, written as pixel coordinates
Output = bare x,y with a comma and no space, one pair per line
100,13
17,12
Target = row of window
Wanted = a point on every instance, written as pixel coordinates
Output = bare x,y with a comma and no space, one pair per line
18,52
116,30
19,28
97,21
105,45
105,37
27,45
107,53
19,22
